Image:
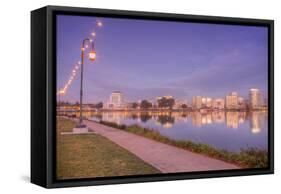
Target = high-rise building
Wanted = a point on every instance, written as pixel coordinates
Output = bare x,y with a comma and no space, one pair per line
116,100
231,101
196,102
179,103
218,103
255,98
241,103
203,102
206,102
209,102
168,97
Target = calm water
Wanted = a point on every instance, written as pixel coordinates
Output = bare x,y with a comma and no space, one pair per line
227,130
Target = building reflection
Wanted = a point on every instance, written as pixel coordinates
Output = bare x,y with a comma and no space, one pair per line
167,119
232,120
255,122
196,119
218,116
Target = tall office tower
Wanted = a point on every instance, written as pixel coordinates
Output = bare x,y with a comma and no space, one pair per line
116,100
196,102
231,101
218,103
255,98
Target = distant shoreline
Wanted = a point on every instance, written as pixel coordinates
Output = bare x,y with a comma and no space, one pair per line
165,110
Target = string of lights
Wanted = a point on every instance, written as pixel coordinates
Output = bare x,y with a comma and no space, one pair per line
63,90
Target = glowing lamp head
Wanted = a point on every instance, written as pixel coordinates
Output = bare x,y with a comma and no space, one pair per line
92,55
99,24
61,92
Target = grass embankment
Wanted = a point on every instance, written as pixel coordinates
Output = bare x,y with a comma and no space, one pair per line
91,155
248,158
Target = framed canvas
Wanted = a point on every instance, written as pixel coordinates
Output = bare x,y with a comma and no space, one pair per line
126,96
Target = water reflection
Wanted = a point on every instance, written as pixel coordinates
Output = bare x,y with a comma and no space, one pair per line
249,129
232,118
255,122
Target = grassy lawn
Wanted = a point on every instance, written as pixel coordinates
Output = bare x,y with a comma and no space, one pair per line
91,155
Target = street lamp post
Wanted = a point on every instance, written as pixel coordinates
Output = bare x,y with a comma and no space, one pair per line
92,56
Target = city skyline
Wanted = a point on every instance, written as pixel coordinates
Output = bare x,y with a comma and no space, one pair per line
140,58
231,100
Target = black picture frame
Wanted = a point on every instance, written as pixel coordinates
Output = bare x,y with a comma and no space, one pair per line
43,95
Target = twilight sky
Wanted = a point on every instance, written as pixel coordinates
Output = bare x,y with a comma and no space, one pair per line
145,58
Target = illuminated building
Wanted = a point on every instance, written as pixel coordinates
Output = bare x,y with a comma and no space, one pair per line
168,97
179,103
255,98
206,102
231,101
218,103
209,102
116,100
241,103
196,102
203,102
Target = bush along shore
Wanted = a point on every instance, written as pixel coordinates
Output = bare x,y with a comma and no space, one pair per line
246,158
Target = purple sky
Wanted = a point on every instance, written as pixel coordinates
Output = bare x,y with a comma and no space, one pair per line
145,58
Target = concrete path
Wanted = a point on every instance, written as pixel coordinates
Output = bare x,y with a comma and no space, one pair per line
166,158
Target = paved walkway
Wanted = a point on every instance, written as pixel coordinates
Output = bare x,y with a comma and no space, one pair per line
166,158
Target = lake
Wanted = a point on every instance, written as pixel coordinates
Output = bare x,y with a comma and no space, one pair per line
230,130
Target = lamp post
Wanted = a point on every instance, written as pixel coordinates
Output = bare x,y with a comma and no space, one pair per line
92,56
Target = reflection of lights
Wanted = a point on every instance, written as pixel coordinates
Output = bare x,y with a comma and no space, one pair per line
241,120
93,34
255,123
232,120
203,121
256,130
209,119
167,125
76,67
157,122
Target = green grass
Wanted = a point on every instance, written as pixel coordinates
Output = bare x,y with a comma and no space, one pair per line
248,158
91,155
